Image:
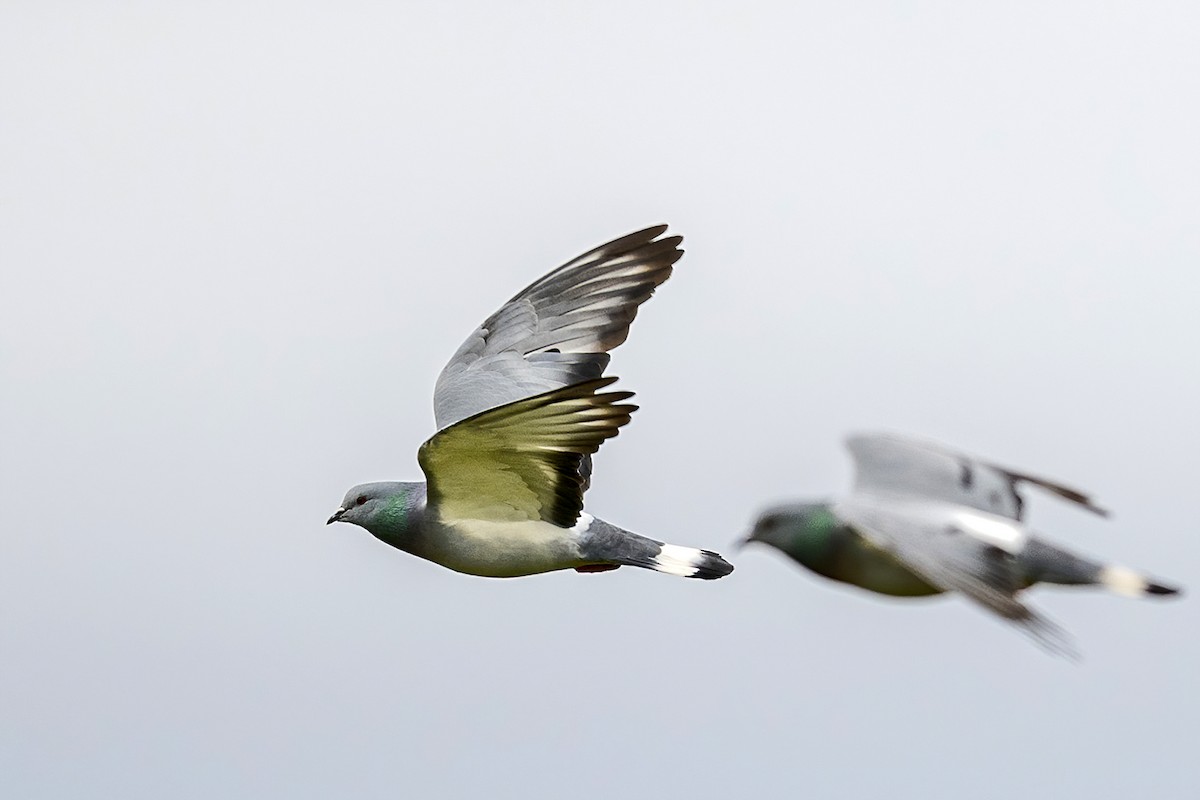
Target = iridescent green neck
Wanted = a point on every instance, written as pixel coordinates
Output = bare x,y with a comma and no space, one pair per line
398,519
808,532
814,535
394,515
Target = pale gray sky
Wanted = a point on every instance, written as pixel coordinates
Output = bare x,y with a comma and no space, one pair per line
240,239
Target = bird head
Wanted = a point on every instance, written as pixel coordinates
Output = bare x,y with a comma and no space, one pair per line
363,503
794,527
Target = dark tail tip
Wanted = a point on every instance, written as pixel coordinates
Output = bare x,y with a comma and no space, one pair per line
712,567
1158,588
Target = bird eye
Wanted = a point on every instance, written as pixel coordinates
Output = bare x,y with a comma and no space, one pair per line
362,498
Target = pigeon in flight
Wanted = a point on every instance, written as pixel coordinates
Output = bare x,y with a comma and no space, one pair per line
520,409
923,520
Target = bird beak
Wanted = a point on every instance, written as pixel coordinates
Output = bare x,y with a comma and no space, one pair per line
337,515
742,542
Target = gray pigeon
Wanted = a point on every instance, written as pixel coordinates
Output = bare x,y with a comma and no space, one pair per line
519,411
923,520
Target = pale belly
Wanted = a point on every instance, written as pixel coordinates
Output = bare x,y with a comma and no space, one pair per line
504,549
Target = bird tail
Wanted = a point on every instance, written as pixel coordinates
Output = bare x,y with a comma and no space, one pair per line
688,562
606,544
1123,580
1042,562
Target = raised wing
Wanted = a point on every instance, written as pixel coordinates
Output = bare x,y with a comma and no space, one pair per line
557,331
521,461
968,553
890,464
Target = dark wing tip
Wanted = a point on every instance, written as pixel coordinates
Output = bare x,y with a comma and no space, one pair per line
635,240
582,389
1051,638
1074,495
1081,499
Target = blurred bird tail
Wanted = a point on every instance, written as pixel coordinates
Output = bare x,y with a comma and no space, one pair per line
1123,580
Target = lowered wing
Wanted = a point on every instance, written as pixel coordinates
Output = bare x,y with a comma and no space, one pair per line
521,461
958,550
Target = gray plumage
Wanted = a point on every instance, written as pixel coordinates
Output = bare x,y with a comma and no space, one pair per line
922,519
558,330
520,410
885,463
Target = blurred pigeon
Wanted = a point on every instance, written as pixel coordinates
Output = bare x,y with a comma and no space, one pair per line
519,410
923,520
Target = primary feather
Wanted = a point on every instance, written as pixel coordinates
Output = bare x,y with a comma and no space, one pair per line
558,330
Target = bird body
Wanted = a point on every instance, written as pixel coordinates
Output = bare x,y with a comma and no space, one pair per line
924,520
813,535
503,549
521,410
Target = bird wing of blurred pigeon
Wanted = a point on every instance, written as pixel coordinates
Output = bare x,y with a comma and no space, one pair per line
557,331
892,464
955,549
521,461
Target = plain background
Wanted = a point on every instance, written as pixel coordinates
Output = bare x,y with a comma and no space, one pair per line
240,239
